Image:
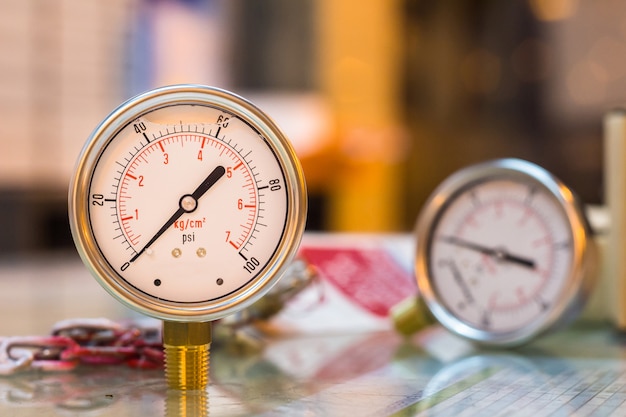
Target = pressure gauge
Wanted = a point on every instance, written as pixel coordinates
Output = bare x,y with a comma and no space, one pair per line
188,203
504,253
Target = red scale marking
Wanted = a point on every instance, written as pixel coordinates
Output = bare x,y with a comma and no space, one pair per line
543,241
543,273
498,209
528,214
471,220
239,166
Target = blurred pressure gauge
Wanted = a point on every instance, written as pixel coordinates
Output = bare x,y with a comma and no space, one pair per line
187,204
504,253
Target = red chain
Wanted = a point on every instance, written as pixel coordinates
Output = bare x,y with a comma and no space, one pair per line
86,341
105,342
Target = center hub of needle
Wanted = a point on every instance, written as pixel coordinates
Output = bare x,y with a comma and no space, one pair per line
188,203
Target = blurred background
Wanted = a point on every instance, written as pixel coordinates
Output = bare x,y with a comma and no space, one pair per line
383,99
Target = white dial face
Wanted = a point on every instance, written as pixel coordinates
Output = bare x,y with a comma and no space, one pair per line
188,203
501,255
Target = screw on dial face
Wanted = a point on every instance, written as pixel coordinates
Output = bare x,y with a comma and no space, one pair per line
193,203
501,260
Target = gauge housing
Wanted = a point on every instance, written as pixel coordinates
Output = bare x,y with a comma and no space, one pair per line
112,278
578,278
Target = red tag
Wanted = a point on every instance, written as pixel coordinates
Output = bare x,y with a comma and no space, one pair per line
369,277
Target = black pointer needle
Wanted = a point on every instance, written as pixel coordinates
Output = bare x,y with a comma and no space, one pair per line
187,204
496,253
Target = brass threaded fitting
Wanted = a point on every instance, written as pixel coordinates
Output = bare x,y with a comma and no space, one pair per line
187,354
411,315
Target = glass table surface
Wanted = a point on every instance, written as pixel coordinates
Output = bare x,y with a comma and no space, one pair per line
578,371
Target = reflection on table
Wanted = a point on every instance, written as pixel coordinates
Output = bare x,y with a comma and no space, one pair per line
266,371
